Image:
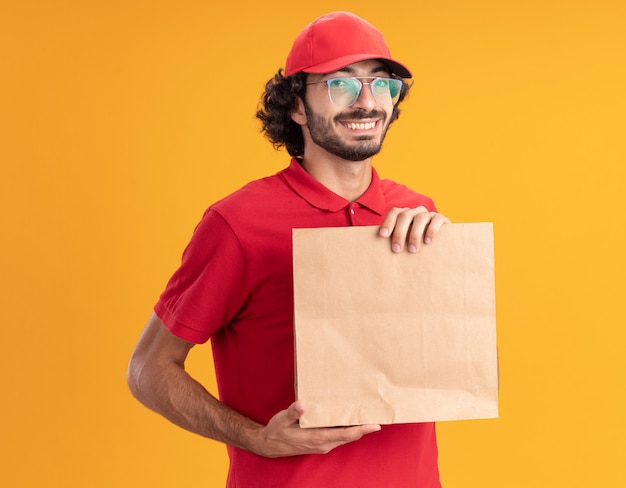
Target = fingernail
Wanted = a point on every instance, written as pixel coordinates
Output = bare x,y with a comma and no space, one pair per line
396,247
428,240
384,232
412,248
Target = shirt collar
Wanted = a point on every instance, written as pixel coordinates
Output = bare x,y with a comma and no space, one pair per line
321,197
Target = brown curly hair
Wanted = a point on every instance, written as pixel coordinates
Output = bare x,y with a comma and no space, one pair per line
277,104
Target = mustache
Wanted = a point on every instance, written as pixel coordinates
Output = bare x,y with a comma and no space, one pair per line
361,114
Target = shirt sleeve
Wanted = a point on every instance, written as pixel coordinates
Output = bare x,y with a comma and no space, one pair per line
209,287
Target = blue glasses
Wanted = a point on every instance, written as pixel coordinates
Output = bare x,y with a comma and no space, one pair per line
344,92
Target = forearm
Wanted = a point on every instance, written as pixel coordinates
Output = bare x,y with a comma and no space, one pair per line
171,392
157,378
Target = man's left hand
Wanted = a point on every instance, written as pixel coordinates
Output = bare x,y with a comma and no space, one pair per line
411,227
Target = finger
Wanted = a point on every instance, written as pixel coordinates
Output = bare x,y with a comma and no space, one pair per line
359,431
287,418
403,225
435,225
295,411
330,438
425,228
405,222
386,228
418,230
401,231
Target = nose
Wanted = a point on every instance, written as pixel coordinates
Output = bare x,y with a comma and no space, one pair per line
366,99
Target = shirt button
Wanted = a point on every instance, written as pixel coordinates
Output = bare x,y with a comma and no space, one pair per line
352,211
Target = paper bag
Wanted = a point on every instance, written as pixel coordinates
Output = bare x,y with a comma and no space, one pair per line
384,338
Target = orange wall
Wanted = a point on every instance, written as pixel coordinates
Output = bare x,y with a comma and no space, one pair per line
121,121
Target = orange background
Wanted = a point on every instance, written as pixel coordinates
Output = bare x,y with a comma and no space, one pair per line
121,121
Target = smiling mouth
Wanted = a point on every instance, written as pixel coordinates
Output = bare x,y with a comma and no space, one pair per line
359,125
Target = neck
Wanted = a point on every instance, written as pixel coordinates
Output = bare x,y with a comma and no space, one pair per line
348,179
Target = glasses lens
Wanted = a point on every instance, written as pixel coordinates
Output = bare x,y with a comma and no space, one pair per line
344,91
386,91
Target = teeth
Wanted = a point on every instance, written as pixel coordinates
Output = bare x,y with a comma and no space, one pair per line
361,126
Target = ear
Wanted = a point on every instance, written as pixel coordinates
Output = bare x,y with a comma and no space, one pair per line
298,114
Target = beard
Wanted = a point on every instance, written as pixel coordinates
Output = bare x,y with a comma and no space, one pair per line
324,135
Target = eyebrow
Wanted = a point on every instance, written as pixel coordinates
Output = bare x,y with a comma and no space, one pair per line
351,71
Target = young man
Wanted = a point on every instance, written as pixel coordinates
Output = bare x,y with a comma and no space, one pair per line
331,109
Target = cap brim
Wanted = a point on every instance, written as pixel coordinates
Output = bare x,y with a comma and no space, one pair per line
337,64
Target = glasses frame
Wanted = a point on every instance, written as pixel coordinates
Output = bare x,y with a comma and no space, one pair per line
358,79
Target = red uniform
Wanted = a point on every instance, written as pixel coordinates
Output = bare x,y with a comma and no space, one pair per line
235,287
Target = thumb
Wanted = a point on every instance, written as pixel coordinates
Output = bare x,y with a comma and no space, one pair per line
295,411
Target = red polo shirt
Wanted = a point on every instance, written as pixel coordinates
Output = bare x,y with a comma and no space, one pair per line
235,287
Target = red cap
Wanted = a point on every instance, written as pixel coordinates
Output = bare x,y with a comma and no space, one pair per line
336,40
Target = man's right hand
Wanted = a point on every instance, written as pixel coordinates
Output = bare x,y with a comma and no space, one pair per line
157,377
282,436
